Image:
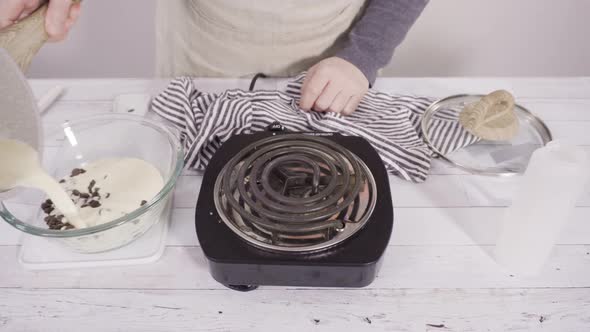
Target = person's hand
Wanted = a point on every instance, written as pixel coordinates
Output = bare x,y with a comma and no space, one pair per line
333,85
61,15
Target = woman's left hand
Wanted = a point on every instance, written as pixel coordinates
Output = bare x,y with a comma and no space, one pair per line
333,85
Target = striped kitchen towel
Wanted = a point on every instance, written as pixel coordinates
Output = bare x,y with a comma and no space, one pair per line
391,123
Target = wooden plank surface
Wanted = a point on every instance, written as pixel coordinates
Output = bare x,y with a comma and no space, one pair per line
407,266
538,87
411,310
437,270
522,88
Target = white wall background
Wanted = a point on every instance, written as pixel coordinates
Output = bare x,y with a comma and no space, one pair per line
114,38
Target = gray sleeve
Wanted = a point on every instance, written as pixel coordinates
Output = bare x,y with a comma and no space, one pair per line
383,26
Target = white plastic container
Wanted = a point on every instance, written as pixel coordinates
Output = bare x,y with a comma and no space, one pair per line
552,183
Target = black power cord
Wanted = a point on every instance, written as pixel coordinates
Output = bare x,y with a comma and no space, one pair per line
254,79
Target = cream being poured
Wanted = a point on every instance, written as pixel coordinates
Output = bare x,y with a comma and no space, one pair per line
102,191
20,167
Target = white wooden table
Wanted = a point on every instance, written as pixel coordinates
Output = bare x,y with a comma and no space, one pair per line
437,274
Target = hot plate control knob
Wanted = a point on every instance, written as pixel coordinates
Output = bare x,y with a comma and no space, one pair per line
275,127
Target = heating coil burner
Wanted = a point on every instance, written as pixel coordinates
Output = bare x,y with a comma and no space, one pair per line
300,209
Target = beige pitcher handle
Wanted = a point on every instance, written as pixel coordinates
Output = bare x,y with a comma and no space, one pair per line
23,39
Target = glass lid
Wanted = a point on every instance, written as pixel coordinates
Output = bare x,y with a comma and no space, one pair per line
446,135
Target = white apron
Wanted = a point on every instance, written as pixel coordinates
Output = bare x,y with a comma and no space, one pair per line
233,38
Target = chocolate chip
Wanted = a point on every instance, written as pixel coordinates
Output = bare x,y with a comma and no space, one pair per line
105,177
69,226
95,192
108,195
91,185
62,181
77,171
76,192
54,222
84,195
48,210
84,205
47,207
56,226
144,202
94,204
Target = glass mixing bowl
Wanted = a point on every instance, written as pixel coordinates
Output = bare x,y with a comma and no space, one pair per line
72,145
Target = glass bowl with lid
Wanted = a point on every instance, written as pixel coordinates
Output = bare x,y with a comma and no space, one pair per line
73,144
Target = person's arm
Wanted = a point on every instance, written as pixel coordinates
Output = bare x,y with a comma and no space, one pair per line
382,28
338,84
